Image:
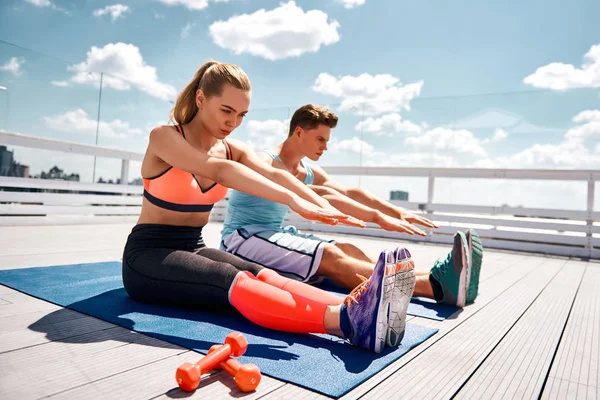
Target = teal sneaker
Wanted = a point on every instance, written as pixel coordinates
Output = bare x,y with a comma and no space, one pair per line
476,252
401,263
454,272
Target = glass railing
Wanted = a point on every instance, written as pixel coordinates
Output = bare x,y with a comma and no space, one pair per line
541,129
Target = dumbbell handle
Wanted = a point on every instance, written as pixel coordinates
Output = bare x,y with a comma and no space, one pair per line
249,381
231,366
214,358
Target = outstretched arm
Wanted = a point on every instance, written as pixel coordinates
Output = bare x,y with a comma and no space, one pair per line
370,200
169,146
351,207
245,155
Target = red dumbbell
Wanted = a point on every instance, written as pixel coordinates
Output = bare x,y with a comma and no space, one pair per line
188,374
246,376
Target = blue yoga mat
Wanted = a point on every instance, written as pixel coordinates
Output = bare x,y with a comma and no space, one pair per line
322,363
419,306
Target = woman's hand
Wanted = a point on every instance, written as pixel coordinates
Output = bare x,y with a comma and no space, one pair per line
397,225
329,215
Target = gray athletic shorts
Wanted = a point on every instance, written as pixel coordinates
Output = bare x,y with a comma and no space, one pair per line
286,250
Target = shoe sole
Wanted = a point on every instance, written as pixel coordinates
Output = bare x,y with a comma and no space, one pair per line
398,307
465,271
383,310
399,302
473,238
469,263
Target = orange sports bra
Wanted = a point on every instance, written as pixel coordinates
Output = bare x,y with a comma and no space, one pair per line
178,190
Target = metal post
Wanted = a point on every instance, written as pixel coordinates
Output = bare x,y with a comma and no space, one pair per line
590,212
5,89
124,172
430,187
98,124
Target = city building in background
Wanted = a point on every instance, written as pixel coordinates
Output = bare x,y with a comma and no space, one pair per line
398,195
10,167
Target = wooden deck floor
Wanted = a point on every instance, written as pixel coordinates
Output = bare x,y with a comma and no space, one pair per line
534,332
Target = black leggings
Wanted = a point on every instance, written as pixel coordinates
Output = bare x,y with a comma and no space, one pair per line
169,264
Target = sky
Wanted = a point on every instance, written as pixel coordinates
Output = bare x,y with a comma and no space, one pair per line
464,83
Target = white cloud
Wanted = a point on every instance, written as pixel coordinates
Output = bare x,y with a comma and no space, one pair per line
185,31
78,121
14,66
124,67
568,154
369,94
47,3
403,159
572,152
286,31
387,125
499,134
60,83
560,76
354,145
39,3
116,11
351,3
266,134
191,4
443,139
587,116
159,16
590,120
497,118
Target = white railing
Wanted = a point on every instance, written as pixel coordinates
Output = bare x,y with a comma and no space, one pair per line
552,231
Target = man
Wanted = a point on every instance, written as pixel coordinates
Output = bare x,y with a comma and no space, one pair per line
253,226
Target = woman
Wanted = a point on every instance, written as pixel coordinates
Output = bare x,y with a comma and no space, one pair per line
187,169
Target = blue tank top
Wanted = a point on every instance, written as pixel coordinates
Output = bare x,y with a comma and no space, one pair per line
244,209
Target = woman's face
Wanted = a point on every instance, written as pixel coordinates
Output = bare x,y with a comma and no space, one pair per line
222,114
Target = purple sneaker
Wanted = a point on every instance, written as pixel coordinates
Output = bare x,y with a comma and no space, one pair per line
364,312
404,285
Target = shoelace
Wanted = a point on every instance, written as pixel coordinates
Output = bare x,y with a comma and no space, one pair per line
357,291
445,263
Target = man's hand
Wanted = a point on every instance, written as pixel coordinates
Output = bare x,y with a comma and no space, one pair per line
415,219
397,225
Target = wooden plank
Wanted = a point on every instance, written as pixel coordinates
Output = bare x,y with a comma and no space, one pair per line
9,181
462,338
440,372
23,321
545,224
576,245
501,270
512,211
374,230
520,266
59,220
29,304
66,372
30,209
68,198
36,142
73,257
577,358
41,332
156,380
5,290
517,367
87,344
470,173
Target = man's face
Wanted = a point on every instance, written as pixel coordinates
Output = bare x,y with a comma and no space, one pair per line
313,142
